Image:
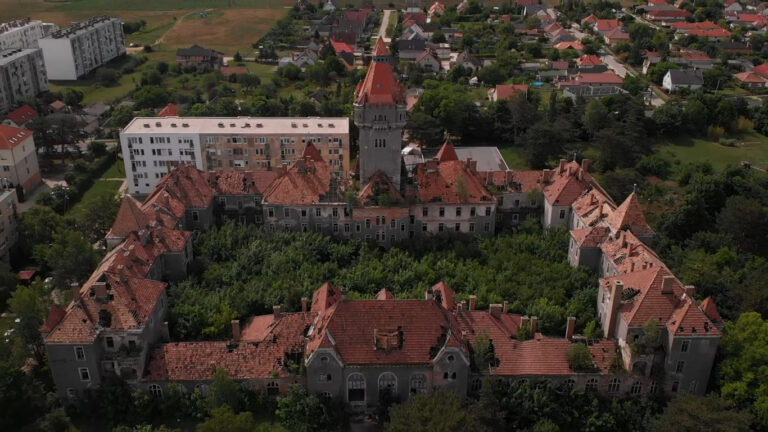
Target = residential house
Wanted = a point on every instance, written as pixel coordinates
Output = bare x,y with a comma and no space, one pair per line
590,62
750,80
612,37
507,91
666,14
330,6
732,7
675,80
198,56
603,26
437,9
592,85
410,49
169,110
451,34
693,59
429,61
20,116
18,158
573,45
761,70
468,61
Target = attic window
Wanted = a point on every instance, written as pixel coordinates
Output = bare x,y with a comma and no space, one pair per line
378,85
221,125
173,125
185,125
247,125
304,125
146,125
158,124
319,125
330,125
388,339
231,125
293,125
258,125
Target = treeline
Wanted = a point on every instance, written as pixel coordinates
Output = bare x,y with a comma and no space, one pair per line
245,270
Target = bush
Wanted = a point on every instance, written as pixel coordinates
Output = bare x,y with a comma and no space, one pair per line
744,124
147,48
98,148
714,133
727,142
654,165
579,358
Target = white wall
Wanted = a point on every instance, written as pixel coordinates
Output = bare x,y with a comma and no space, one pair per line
143,172
59,61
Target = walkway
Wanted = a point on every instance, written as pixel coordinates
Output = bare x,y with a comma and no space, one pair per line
384,24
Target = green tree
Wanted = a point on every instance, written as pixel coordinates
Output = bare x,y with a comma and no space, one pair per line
689,413
223,391
95,217
743,371
483,356
301,412
30,305
38,225
595,116
223,419
579,357
70,257
72,97
108,77
439,410
150,96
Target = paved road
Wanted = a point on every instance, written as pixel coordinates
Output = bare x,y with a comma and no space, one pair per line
384,25
614,64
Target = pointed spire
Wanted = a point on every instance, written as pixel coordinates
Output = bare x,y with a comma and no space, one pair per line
629,214
384,294
447,153
380,49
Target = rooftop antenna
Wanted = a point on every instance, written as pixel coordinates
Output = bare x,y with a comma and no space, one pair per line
634,187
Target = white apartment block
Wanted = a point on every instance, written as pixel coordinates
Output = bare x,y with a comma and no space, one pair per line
72,52
22,77
151,145
9,220
23,33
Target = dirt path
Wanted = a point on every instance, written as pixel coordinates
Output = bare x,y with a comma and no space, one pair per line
161,39
384,25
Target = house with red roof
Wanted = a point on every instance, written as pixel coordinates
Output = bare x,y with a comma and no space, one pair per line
592,85
761,70
437,9
612,37
507,91
20,116
667,14
429,61
169,110
588,61
18,158
750,80
574,45
603,26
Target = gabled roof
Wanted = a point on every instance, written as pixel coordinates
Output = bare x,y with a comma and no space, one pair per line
649,302
379,184
444,294
465,57
689,320
628,253
574,45
590,237
617,34
380,49
11,137
447,153
589,60
55,315
384,294
710,310
567,183
686,76
450,181
380,87
749,77
306,181
761,70
241,182
129,219
507,91
602,25
170,110
22,115
186,184
325,297
428,53
629,214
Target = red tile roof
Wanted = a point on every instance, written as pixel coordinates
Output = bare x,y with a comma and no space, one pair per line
591,19
589,60
450,182
617,34
306,181
590,237
649,302
186,184
380,87
443,292
419,17
507,91
129,219
75,327
749,77
339,47
669,13
710,310
689,320
384,294
575,45
606,24
380,49
11,137
696,56
379,184
408,331
55,315
241,182
170,110
713,33
325,297
704,25
22,115
608,77
566,184
26,275
761,70
628,254
447,153
630,214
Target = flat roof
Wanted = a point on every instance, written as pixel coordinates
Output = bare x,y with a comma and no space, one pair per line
488,158
235,125
15,53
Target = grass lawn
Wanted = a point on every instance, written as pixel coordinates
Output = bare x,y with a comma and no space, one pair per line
391,23
150,33
513,158
261,70
100,188
117,170
750,146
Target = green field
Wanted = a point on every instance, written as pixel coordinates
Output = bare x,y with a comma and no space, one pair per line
95,5
150,33
117,170
102,187
751,147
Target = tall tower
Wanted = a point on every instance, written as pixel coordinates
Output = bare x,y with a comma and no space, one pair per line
380,116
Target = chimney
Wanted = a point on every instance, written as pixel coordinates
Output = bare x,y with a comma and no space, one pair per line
236,330
631,248
570,328
666,284
689,290
631,266
428,294
613,310
534,324
459,307
623,240
144,236
495,310
472,164
505,307
585,163
303,304
524,321
75,287
561,167
166,332
472,302
276,312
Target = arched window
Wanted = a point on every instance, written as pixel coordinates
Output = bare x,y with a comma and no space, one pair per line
568,384
637,387
418,383
356,388
475,385
614,385
155,390
273,388
654,387
591,384
388,382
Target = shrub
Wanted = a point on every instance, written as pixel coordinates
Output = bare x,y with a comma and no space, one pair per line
744,124
579,357
714,132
